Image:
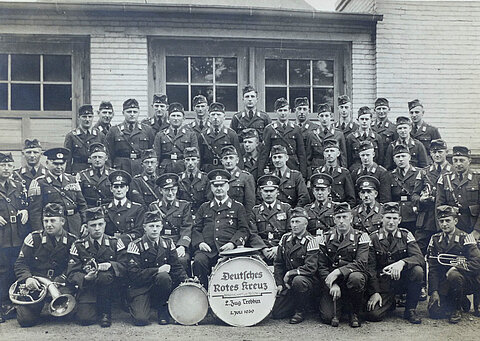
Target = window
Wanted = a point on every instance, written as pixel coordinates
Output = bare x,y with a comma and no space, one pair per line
292,78
35,82
214,77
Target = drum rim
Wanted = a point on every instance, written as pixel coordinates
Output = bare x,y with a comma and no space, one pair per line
195,285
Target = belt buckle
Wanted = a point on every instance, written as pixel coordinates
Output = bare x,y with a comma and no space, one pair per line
50,273
13,219
404,198
70,212
173,156
215,162
133,156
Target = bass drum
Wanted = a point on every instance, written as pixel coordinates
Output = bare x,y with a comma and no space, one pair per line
188,303
241,291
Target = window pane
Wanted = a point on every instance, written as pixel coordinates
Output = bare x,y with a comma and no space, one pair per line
3,96
3,67
57,97
276,72
228,96
271,95
299,72
298,92
323,72
321,96
178,93
25,67
204,90
25,96
177,69
57,69
226,70
202,70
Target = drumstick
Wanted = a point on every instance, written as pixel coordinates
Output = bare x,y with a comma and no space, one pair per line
335,321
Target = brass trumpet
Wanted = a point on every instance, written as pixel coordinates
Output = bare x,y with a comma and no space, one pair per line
452,260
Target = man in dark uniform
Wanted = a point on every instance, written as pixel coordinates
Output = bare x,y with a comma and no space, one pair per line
78,141
302,111
200,105
425,192
153,272
172,141
342,267
367,216
366,152
220,225
143,189
126,141
346,123
295,269
215,137
382,125
315,138
396,265
342,186
193,184
403,183
57,187
269,220
419,157
421,131
448,284
94,180
363,133
45,254
285,133
124,218
461,190
176,217
95,268
105,116
292,188
250,117
253,149
158,121
32,152
320,212
13,228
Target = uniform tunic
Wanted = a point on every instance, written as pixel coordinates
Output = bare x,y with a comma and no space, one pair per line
211,144
314,147
78,141
241,121
95,187
367,221
124,222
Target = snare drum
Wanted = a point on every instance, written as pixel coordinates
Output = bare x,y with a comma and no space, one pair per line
188,303
241,291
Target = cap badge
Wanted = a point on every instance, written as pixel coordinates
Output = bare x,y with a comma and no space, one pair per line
60,155
119,178
169,181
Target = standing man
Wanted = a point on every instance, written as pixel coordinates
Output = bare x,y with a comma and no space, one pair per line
96,284
143,189
382,125
57,187
363,133
13,229
32,152
448,284
105,116
126,141
253,150
172,141
94,180
78,141
295,269
158,121
176,217
215,137
250,117
220,225
396,265
460,189
345,122
320,212
44,253
419,157
367,216
421,131
302,111
292,188
153,271
200,105
287,134
342,266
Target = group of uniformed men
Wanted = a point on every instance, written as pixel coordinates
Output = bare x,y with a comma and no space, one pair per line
347,212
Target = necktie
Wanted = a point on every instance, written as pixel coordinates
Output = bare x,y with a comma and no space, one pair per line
33,171
439,169
446,239
201,125
380,125
279,174
390,238
191,177
368,209
330,170
365,171
119,205
97,245
414,130
130,126
341,238
343,126
284,126
175,131
216,131
250,114
325,131
87,132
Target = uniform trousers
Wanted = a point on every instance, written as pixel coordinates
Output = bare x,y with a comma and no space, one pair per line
294,299
95,297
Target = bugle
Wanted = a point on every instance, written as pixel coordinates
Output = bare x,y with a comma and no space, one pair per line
451,260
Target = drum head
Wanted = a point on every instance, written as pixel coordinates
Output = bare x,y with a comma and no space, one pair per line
242,291
188,303
240,251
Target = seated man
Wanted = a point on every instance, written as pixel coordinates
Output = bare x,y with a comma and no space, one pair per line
153,272
367,216
44,254
295,269
320,212
96,286
220,225
342,266
396,265
448,284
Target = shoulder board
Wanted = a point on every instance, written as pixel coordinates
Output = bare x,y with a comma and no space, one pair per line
469,240
135,204
364,239
73,250
284,237
312,243
410,237
133,248
28,241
